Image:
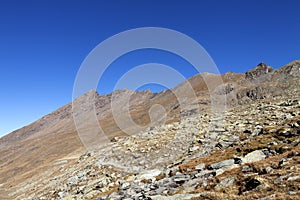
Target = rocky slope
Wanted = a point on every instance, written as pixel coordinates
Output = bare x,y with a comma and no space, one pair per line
254,154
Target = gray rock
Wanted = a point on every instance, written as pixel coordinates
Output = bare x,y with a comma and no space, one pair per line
219,130
225,89
268,169
180,178
224,163
268,197
296,142
257,132
175,197
160,190
72,180
292,193
194,148
81,174
279,179
101,198
190,185
220,171
61,162
201,166
205,174
225,183
124,185
62,194
232,139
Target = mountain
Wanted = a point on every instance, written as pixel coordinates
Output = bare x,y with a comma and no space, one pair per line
200,137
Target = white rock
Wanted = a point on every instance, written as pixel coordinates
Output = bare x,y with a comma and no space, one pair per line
149,175
254,156
293,178
194,148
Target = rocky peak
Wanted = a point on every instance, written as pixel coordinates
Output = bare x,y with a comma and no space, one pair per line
91,93
259,71
291,69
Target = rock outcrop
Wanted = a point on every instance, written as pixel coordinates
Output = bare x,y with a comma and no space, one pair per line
260,72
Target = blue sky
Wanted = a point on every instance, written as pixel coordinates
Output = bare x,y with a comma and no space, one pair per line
43,43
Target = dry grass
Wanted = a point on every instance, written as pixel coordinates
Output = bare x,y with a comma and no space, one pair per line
215,156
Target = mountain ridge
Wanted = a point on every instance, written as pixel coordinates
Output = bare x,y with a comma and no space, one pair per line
37,146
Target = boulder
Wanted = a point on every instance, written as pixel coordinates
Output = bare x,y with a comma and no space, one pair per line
225,183
149,175
254,156
224,163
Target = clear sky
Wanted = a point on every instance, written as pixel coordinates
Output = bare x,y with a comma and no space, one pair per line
43,43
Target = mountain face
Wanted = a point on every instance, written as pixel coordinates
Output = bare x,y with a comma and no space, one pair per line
180,148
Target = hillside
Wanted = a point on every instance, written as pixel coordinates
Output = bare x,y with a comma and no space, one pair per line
190,155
